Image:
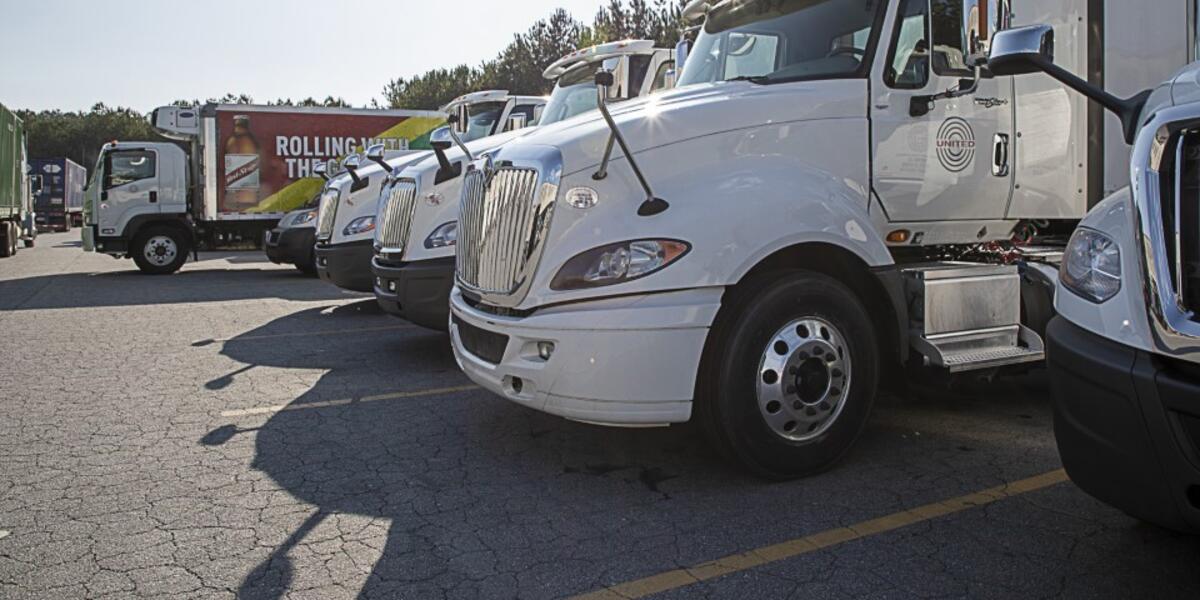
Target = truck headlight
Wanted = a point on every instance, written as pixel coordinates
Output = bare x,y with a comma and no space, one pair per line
303,218
1091,266
445,235
360,225
618,263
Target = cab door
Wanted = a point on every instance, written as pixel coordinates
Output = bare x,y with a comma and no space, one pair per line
129,188
941,159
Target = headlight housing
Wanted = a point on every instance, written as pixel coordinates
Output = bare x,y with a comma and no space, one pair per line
1091,266
304,218
360,225
618,263
445,235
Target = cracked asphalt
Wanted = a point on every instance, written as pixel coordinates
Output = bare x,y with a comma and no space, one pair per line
241,430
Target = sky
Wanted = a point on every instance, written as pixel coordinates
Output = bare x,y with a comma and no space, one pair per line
71,54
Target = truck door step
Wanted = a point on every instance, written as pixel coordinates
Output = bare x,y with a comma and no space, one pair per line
981,351
967,316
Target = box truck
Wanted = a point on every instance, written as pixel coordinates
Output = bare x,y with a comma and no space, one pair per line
838,193
346,222
235,171
414,244
1124,348
58,202
16,200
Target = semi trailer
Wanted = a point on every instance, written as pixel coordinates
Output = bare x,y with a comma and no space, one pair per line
231,174
17,224
837,194
347,219
1124,348
414,243
58,201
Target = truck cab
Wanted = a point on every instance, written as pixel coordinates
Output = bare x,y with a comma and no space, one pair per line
414,245
347,219
136,205
1124,348
838,193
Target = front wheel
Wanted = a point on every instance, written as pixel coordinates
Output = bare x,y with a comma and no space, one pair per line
789,374
160,250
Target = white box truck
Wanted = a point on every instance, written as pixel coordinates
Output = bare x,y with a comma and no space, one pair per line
414,244
837,193
235,172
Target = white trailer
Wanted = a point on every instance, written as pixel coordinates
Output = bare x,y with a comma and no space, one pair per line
837,193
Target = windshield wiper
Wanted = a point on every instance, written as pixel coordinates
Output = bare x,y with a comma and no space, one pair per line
755,79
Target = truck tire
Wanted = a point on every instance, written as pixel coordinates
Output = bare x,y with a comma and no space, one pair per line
789,374
8,245
160,250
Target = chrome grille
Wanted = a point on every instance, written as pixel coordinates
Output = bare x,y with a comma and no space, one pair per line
326,213
498,229
397,214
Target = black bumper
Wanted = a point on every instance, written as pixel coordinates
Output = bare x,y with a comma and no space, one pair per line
292,246
347,265
418,291
1127,425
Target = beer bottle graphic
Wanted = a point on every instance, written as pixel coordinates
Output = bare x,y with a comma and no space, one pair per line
241,167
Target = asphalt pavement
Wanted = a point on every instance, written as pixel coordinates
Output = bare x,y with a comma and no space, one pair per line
239,429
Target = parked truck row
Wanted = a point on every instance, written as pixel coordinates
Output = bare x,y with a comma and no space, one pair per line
805,203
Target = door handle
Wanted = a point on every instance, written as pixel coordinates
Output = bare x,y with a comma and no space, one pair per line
153,197
1000,155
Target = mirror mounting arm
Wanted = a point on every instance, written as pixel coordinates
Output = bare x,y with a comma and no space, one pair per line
921,105
454,122
651,205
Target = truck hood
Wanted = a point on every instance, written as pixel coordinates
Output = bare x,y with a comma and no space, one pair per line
429,162
1184,88
693,112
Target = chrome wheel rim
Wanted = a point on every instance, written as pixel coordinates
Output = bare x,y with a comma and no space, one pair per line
161,250
803,379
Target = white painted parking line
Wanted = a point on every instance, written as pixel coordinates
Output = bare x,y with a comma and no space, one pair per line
267,410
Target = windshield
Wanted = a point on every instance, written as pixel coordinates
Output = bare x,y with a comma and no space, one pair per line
483,119
769,41
575,94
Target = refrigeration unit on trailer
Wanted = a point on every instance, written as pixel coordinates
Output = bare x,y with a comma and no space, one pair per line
17,224
58,200
837,193
414,243
1124,349
347,219
235,171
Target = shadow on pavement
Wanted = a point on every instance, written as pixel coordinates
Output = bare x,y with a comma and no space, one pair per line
133,288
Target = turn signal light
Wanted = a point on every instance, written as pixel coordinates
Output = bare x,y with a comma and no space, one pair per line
899,236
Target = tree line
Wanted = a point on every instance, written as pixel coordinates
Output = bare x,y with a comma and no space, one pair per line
517,68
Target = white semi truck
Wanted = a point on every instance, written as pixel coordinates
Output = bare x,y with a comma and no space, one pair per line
1124,350
414,244
836,193
346,221
236,171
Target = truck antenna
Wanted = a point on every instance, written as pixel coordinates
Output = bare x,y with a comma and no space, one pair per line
652,205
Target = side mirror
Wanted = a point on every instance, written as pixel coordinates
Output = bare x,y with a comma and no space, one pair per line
321,170
460,121
537,113
516,121
440,138
375,154
352,163
681,54
1022,50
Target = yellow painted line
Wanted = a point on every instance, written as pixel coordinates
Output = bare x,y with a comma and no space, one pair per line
270,336
679,578
267,410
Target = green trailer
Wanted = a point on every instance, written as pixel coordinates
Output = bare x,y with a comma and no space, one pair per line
17,223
